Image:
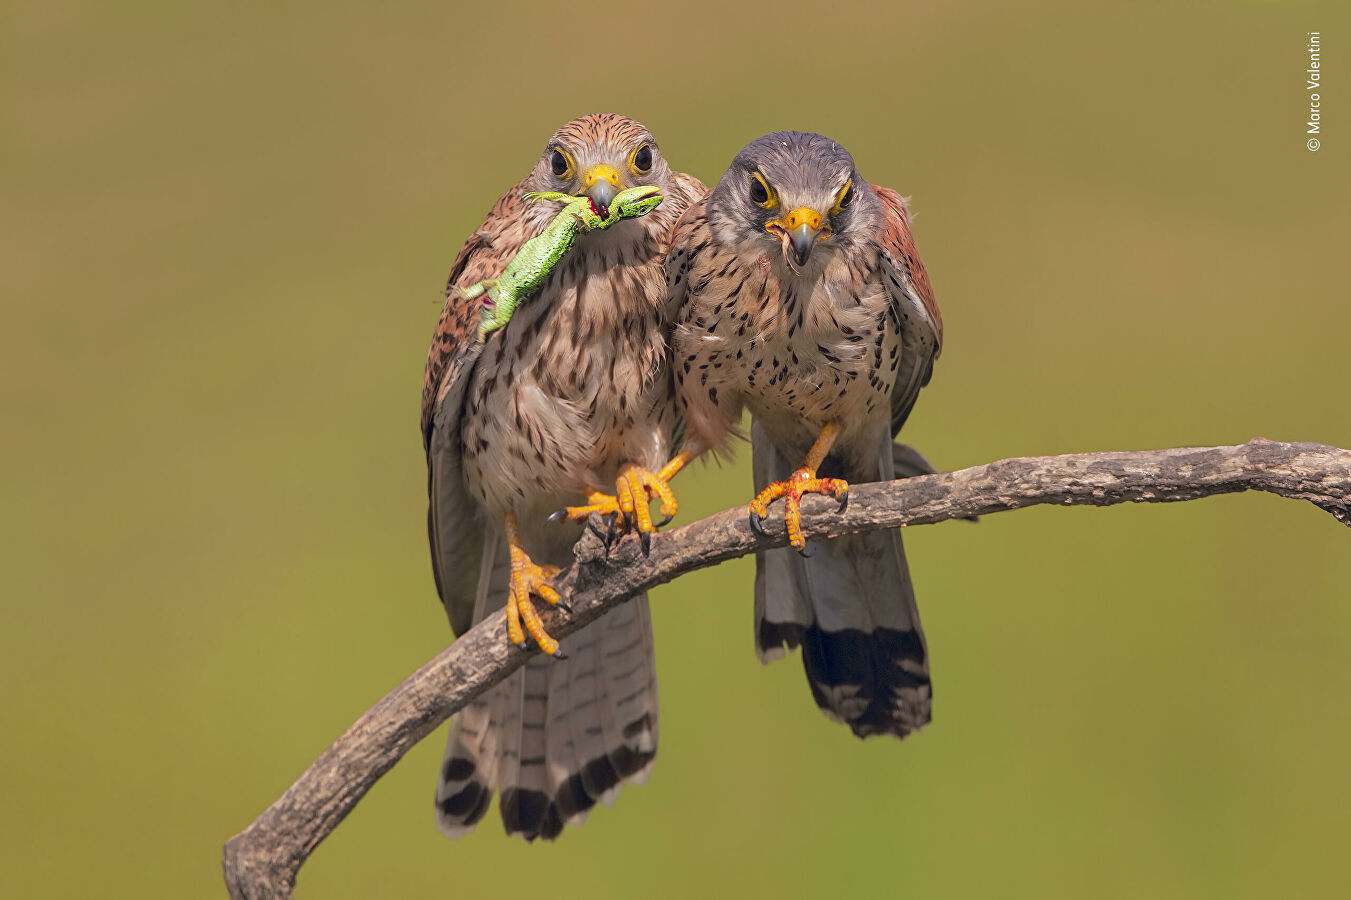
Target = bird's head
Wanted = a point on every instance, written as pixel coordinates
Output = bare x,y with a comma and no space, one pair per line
795,193
598,156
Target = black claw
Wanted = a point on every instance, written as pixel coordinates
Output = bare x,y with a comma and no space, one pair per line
805,552
645,538
558,515
664,522
844,501
609,536
559,654
758,525
562,604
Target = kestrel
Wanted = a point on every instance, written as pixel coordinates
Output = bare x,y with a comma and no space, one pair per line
570,398
802,297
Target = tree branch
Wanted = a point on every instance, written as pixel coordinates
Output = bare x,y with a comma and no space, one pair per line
262,860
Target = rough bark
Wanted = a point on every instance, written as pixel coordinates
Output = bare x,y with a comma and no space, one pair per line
263,859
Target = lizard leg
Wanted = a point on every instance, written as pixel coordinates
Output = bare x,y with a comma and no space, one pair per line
474,291
536,196
802,481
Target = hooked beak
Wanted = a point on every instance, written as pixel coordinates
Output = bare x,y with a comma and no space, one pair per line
602,183
799,231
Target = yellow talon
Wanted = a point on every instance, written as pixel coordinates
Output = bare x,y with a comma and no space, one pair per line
635,489
624,499
802,481
528,578
596,502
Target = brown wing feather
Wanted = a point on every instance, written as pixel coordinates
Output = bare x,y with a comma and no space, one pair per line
912,299
483,256
899,241
453,526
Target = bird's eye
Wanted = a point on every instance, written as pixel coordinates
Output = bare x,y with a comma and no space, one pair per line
761,195
560,163
845,198
641,160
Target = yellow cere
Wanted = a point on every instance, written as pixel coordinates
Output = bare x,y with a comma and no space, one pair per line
601,171
803,215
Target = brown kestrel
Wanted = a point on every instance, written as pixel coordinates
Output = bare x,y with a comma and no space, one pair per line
571,397
802,297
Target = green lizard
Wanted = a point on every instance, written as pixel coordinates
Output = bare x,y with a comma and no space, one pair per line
532,265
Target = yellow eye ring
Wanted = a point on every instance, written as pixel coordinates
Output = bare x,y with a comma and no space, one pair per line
561,164
844,198
640,160
762,195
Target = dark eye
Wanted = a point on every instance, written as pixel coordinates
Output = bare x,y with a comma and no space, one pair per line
760,191
642,159
845,198
559,163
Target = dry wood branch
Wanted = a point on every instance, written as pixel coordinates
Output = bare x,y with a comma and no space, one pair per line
262,860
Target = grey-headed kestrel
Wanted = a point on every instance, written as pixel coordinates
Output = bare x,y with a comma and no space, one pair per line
802,297
571,398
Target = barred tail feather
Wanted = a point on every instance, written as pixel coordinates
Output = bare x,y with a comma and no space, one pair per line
465,788
558,735
475,749
851,608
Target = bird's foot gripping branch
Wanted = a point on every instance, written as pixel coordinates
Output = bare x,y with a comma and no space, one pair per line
263,859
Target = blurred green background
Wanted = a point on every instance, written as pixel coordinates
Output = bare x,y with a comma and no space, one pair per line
225,229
